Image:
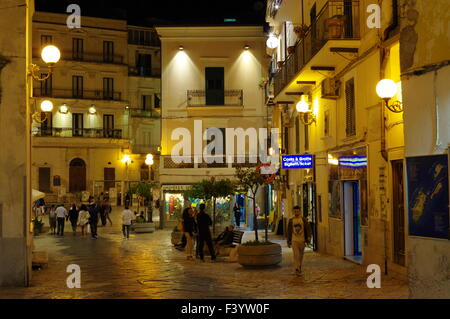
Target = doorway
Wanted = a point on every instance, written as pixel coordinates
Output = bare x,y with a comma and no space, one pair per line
77,176
44,179
352,221
309,209
398,207
109,175
214,81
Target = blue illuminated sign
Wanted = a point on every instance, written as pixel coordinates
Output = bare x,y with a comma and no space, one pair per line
353,161
296,161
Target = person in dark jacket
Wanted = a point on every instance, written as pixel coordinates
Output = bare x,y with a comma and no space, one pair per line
189,229
73,217
93,219
225,239
204,234
298,235
237,214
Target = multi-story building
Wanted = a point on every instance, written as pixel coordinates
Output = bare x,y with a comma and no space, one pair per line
326,63
210,79
105,91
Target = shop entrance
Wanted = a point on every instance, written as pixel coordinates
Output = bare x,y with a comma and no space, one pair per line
352,221
309,209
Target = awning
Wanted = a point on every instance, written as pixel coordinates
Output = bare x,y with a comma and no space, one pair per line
37,195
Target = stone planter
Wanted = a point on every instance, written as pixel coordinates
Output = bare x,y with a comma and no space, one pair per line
259,256
176,237
144,228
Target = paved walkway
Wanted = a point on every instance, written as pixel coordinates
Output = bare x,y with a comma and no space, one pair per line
147,266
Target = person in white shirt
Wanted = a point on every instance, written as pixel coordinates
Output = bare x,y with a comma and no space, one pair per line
127,217
61,215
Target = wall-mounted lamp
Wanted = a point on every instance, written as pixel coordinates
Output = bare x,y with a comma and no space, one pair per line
181,48
272,42
46,106
64,109
149,159
92,109
246,47
386,90
306,115
50,55
126,159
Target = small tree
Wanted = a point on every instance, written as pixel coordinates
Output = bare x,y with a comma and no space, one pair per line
249,181
143,191
210,190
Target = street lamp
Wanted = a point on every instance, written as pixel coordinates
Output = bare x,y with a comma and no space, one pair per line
306,115
272,42
386,90
149,162
50,55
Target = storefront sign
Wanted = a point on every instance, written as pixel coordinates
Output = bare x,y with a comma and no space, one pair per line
175,188
353,161
296,161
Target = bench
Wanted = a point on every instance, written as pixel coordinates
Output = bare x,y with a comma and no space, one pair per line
237,239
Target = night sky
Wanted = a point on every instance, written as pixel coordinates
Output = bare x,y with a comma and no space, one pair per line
166,12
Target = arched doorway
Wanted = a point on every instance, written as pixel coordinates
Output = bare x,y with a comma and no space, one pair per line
77,176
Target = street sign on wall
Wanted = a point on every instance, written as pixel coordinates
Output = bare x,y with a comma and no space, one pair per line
296,161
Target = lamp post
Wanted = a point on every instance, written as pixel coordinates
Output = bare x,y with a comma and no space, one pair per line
126,159
149,162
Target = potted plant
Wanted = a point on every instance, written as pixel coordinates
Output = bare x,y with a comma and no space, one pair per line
255,253
291,49
211,190
301,30
335,26
144,194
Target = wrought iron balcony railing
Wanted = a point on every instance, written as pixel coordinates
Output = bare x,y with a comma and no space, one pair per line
224,98
145,149
82,56
141,71
78,94
338,20
77,132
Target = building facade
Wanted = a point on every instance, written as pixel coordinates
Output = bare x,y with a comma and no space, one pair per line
210,82
104,91
325,69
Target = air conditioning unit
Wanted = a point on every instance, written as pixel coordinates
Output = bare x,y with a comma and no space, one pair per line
330,88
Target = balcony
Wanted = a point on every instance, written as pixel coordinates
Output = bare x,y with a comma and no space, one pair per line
200,98
337,23
87,57
145,149
169,163
76,132
136,112
144,72
81,95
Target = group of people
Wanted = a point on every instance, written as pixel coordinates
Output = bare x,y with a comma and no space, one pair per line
81,216
196,230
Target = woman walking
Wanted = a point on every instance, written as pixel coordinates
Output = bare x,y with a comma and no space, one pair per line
73,217
188,229
83,219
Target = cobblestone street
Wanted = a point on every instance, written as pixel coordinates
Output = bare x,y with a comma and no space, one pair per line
147,266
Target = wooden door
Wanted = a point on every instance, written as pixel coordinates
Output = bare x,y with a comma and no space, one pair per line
215,94
44,179
109,174
77,176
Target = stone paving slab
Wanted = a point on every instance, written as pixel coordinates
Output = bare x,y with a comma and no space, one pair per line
147,266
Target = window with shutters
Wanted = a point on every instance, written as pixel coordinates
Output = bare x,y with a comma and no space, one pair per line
77,49
147,102
46,39
108,51
77,86
350,112
46,86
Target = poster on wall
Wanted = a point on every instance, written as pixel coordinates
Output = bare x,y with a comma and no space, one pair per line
428,211
335,199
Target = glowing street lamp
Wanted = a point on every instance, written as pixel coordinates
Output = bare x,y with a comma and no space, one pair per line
272,42
50,55
306,115
386,90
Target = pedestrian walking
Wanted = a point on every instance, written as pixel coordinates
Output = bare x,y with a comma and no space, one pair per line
127,217
93,219
102,213
107,209
73,217
61,215
83,219
298,235
237,214
203,222
189,229
52,219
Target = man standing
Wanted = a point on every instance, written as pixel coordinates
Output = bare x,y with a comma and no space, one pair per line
127,217
61,215
93,219
298,234
237,214
204,234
